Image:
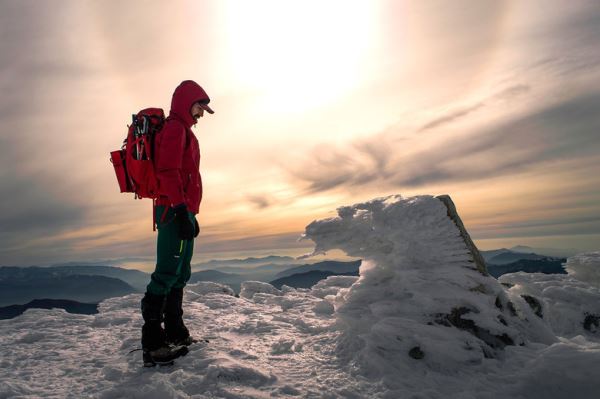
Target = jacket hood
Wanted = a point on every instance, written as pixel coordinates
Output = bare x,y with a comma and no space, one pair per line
185,95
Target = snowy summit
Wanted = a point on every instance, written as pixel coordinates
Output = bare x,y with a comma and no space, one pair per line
423,320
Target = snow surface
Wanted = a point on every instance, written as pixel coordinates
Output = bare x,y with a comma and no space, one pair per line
347,337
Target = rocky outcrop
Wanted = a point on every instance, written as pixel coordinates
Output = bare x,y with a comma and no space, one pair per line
477,258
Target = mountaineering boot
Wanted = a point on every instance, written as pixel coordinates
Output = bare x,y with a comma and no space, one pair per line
154,347
176,331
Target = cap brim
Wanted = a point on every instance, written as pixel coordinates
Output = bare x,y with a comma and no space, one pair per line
207,108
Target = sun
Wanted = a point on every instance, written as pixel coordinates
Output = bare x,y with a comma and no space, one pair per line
296,55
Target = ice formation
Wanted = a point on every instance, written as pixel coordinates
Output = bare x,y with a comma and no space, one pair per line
420,288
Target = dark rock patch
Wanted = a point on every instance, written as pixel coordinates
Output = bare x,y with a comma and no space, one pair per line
455,319
416,353
535,305
498,303
591,322
511,308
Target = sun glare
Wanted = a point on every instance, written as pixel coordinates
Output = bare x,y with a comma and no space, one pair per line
298,55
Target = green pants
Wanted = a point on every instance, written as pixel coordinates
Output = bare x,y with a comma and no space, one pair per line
173,255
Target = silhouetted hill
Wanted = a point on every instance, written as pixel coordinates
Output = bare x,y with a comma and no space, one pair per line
520,250
8,312
545,265
509,257
307,279
215,276
493,252
257,273
335,267
21,285
244,263
136,278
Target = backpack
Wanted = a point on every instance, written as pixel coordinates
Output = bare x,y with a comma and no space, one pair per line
134,162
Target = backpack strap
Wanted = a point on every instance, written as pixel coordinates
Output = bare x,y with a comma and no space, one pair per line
153,214
162,217
185,128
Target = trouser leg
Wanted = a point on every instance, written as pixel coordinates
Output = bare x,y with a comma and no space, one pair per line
173,256
175,328
186,268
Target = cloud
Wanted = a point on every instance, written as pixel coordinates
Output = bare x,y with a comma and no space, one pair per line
541,228
38,200
511,92
568,129
33,203
451,117
504,95
259,201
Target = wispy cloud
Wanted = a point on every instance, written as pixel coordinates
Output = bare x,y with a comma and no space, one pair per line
259,201
451,117
506,94
564,130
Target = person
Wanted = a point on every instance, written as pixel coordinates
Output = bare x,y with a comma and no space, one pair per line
177,166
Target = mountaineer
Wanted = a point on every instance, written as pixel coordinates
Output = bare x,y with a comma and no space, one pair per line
177,163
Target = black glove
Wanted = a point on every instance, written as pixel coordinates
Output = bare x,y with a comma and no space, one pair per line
186,225
197,227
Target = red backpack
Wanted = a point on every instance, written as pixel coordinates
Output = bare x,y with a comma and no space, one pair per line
134,162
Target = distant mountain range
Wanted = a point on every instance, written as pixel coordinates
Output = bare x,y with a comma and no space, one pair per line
136,278
522,249
294,276
249,269
521,259
94,283
256,273
19,285
307,279
333,267
215,276
546,265
508,261
106,262
244,263
509,257
8,312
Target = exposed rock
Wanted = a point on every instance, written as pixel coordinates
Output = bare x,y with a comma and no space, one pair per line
498,303
455,319
416,353
479,288
591,322
535,305
477,258
511,308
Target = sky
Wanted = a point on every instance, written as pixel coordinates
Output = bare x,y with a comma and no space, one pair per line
318,104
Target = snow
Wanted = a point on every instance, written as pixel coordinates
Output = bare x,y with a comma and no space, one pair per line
208,287
250,288
565,301
384,334
585,267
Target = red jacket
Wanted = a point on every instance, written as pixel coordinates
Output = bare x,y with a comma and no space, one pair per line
177,153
